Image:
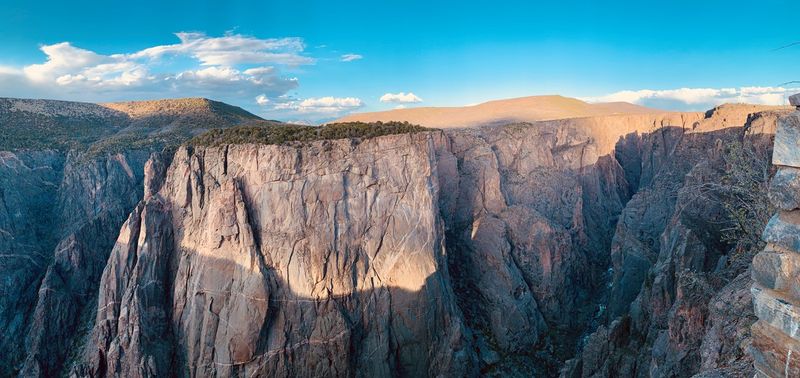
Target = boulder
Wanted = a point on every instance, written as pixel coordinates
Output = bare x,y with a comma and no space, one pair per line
784,189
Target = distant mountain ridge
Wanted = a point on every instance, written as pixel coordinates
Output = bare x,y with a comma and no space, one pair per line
33,123
522,109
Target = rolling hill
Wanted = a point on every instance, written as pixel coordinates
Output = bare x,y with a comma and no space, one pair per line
523,109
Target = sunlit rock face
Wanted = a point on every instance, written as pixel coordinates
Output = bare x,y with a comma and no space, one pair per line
492,251
276,261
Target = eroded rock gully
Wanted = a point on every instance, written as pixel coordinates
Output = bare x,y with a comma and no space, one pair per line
490,251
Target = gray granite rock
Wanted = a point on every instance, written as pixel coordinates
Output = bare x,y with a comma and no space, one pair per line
777,310
787,141
784,189
286,261
783,230
778,271
794,99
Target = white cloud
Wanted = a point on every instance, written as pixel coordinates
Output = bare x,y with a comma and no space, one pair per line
235,68
700,98
232,68
231,81
231,49
70,65
322,105
351,57
262,100
400,98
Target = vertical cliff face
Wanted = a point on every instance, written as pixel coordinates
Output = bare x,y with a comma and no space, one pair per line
30,181
528,237
93,199
71,207
274,261
678,299
501,237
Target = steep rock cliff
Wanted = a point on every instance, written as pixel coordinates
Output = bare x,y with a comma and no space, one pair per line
679,302
276,261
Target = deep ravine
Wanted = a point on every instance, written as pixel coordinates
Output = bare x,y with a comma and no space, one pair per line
532,249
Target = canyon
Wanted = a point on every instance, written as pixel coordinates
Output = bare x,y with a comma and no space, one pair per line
575,244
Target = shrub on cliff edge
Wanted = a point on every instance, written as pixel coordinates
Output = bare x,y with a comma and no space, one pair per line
281,134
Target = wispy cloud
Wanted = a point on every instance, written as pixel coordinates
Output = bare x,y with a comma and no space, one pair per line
232,49
350,57
700,98
400,98
6,70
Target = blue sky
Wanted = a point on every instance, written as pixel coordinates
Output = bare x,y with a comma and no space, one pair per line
317,60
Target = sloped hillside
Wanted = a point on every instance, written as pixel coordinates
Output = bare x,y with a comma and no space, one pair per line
64,125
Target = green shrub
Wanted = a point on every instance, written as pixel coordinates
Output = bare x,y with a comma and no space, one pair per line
282,134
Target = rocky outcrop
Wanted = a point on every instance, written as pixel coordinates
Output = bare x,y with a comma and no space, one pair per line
534,214
776,291
510,234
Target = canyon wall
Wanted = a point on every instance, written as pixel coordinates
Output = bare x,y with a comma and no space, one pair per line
679,302
58,218
495,251
490,251
326,260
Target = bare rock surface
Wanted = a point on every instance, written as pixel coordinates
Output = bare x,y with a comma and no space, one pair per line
679,302
343,272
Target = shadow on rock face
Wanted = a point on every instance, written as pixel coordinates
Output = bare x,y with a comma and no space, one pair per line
215,317
215,275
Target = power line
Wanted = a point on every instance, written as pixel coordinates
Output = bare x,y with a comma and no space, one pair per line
789,45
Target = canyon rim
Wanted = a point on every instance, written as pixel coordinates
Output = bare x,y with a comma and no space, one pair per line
399,189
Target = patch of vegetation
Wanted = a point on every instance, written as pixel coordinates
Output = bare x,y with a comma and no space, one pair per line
283,134
20,130
745,185
741,191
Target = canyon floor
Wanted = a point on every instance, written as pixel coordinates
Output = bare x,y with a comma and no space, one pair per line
533,237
